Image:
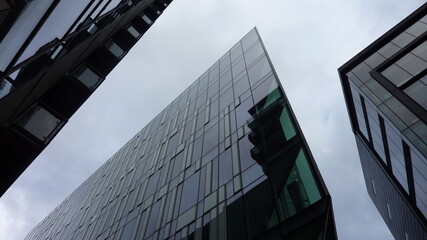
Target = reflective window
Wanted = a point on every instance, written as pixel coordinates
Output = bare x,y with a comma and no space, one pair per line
241,86
189,192
249,39
115,49
301,189
133,31
238,68
246,159
264,89
87,77
252,54
397,158
225,167
287,125
39,122
259,70
147,19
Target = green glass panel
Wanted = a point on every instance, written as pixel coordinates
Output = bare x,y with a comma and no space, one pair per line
301,189
286,123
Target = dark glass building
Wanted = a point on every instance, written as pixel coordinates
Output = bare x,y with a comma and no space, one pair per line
385,88
225,160
53,55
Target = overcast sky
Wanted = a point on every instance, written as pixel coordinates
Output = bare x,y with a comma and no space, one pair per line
307,41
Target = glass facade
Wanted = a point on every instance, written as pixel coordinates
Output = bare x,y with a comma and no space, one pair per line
225,160
386,95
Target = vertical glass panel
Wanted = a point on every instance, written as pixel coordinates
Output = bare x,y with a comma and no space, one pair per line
39,122
225,167
397,158
151,223
301,189
287,125
87,77
249,39
189,192
238,67
259,70
241,86
152,185
252,54
128,230
246,159
265,89
210,139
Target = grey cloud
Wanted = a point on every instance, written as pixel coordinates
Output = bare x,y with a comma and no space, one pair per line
306,40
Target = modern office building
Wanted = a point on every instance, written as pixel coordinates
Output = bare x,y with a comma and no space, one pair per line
225,160
53,55
385,89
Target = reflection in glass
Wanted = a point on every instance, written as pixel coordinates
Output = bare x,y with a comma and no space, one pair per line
259,70
87,77
134,32
115,49
39,122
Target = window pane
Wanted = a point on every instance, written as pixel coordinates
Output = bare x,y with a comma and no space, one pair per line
115,49
87,77
189,192
133,31
39,122
259,70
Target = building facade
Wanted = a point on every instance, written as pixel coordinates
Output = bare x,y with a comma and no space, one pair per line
54,54
385,88
225,160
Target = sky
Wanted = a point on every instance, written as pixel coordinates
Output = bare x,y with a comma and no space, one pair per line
307,40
